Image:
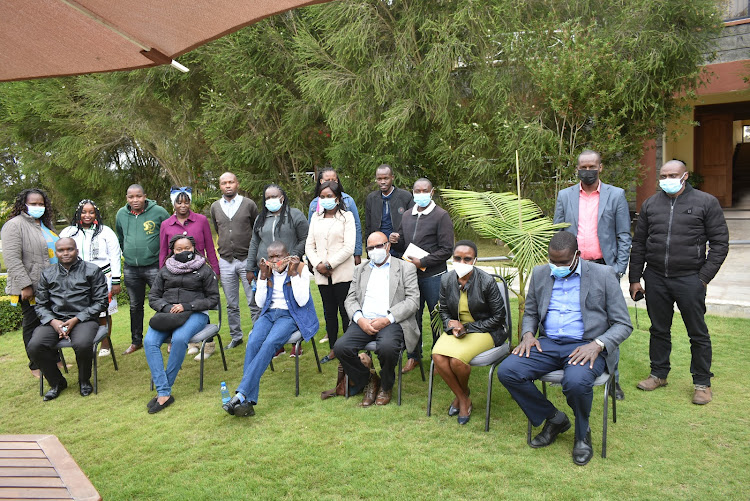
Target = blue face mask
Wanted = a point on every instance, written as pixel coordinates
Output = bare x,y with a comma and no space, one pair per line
422,199
328,203
670,186
564,271
273,204
35,211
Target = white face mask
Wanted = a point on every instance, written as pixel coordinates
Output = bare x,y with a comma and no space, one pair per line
378,256
462,269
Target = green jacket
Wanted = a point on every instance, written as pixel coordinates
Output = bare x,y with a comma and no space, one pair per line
139,235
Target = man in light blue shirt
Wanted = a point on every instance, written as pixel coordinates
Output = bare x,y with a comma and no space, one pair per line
579,310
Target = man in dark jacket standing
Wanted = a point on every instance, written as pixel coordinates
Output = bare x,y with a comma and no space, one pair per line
430,229
137,227
70,296
385,207
670,238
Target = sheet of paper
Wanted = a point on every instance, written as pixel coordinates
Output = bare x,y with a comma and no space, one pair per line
414,251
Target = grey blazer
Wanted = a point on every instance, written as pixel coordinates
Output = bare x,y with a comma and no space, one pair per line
613,225
605,314
403,295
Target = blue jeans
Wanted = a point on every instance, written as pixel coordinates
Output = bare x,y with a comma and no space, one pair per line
270,332
518,373
136,278
429,293
164,379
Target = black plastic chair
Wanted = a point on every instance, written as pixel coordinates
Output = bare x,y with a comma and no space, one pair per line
101,333
606,379
296,340
490,358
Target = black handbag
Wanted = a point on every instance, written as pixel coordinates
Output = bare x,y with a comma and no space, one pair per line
168,322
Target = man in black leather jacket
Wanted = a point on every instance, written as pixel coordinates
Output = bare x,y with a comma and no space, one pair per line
69,299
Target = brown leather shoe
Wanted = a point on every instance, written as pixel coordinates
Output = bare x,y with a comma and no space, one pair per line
651,383
702,394
411,364
371,390
384,397
132,348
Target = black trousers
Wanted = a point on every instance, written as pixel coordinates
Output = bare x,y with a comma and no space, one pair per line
690,295
136,279
333,297
42,350
28,324
390,340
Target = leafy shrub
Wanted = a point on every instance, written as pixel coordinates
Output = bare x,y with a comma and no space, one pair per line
10,316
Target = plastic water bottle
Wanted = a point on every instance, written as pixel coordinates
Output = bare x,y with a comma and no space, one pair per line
225,397
253,285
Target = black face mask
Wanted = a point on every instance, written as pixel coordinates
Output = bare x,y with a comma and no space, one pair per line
588,177
184,257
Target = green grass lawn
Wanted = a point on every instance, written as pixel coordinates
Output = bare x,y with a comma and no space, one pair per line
662,446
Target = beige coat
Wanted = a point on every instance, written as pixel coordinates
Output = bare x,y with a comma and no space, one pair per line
332,240
25,253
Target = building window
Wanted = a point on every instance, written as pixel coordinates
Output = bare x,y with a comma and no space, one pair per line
746,133
736,9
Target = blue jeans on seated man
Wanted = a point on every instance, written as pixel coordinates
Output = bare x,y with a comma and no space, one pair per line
429,293
164,379
517,374
270,332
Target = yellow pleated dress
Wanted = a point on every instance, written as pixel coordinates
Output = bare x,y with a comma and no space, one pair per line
467,347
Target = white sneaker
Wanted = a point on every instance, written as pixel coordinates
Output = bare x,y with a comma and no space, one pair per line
104,352
323,340
193,348
210,348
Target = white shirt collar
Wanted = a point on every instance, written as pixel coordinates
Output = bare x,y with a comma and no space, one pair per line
426,211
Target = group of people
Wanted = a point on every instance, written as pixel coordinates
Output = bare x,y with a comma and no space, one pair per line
575,310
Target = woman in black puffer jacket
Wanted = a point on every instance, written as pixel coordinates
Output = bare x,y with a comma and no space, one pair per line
185,288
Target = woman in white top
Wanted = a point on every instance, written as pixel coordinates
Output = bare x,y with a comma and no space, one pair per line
97,244
330,251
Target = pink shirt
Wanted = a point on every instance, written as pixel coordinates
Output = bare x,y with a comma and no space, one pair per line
588,218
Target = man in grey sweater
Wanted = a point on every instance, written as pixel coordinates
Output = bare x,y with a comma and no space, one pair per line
233,217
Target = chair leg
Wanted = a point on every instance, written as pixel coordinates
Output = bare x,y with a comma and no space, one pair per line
315,350
400,378
41,385
489,398
614,403
112,352
528,432
62,359
296,368
152,385
421,369
346,386
221,349
203,349
96,372
429,388
604,418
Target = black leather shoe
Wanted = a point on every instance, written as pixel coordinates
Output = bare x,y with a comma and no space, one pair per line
234,343
582,450
85,388
549,433
237,408
157,407
55,391
453,411
327,359
619,394
151,403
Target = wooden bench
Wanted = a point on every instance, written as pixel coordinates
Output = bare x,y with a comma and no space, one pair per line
39,467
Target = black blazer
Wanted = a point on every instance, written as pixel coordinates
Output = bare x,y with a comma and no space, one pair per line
485,304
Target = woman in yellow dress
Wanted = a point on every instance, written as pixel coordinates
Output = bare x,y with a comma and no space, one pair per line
473,314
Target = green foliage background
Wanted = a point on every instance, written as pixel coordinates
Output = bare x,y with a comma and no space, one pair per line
443,89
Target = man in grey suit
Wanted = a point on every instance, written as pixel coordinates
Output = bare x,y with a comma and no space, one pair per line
580,313
599,218
388,319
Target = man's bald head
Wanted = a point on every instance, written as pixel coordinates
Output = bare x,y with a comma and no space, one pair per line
229,185
376,238
65,241
675,164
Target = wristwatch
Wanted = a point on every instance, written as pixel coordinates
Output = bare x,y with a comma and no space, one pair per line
329,267
600,343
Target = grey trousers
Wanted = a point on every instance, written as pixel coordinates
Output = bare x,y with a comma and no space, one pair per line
232,273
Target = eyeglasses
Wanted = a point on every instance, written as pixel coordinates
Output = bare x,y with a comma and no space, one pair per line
379,246
465,259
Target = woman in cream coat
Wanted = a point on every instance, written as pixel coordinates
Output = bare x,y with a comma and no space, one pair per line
330,252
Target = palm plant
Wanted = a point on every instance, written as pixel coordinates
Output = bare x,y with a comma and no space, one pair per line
518,222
